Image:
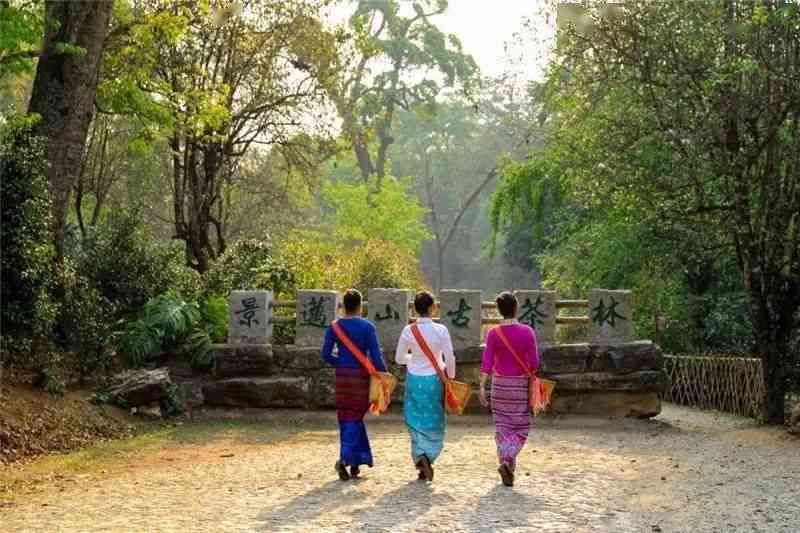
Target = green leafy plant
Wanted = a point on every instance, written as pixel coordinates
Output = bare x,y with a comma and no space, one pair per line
166,320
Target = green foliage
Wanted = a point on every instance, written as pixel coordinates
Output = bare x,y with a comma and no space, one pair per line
126,266
358,214
214,314
318,262
248,264
21,29
165,321
633,187
28,312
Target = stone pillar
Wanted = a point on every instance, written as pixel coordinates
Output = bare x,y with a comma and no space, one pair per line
460,311
538,310
250,314
388,310
611,316
315,311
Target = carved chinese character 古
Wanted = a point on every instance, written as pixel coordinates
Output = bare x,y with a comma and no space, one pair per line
460,317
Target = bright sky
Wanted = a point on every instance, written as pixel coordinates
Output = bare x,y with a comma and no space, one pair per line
487,27
493,32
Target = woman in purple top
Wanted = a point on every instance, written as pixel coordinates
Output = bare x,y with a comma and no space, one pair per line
510,383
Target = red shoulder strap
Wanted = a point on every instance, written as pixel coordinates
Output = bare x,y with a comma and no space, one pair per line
355,350
520,360
427,351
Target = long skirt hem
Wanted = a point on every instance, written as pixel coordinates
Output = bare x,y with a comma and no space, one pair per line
424,413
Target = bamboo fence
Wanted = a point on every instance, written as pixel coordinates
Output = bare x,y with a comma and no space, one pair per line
730,384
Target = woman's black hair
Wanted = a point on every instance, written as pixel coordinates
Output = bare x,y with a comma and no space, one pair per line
351,300
423,301
507,304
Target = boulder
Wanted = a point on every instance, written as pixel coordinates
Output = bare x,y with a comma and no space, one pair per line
239,360
140,387
258,392
794,420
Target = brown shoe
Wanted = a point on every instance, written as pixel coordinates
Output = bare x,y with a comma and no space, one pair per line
342,471
506,475
425,467
354,472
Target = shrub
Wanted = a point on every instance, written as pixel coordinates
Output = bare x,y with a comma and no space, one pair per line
26,278
249,264
121,262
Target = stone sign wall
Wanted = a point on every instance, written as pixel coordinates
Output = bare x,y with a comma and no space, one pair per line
250,314
538,310
611,316
315,311
388,310
460,311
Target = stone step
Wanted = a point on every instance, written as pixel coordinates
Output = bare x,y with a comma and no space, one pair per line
258,392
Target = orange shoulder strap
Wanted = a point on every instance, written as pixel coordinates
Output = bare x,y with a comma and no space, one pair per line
355,350
423,344
520,360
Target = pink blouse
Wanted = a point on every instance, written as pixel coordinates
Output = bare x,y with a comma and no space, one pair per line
496,357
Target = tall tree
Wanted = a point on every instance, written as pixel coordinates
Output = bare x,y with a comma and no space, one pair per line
401,60
694,110
223,77
64,94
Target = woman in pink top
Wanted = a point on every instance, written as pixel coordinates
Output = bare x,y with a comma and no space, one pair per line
510,382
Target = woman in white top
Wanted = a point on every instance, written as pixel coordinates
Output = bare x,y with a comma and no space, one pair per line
424,396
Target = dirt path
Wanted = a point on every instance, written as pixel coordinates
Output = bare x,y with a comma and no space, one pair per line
685,471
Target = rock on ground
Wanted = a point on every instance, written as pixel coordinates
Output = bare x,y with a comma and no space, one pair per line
140,387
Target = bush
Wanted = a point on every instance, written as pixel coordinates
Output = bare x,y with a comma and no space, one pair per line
317,263
249,264
26,278
121,262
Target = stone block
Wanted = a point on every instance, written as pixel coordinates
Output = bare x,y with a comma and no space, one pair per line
642,381
388,310
239,360
608,404
538,310
297,360
315,311
620,358
258,392
460,311
250,314
323,389
611,315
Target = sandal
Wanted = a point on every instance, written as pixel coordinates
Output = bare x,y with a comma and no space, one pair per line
342,471
506,475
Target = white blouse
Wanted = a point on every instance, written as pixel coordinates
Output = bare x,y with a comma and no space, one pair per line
438,339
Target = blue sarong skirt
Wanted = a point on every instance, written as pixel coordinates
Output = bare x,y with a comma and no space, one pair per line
423,409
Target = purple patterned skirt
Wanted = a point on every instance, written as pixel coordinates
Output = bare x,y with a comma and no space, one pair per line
512,420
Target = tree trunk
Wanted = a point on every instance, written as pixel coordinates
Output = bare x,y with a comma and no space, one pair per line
64,92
